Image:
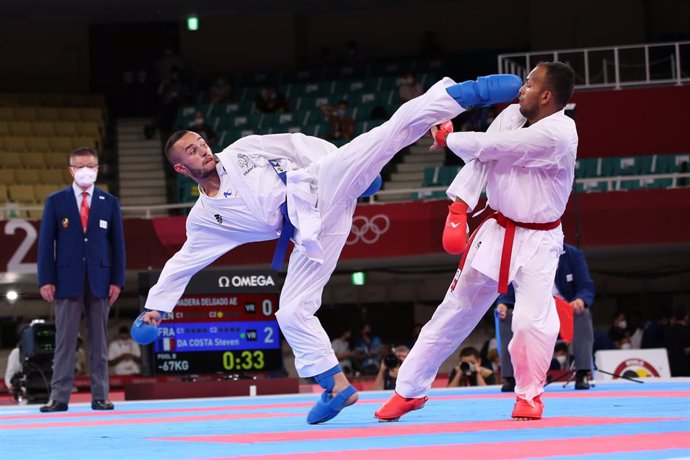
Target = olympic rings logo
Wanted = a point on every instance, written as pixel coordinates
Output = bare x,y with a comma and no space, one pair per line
368,230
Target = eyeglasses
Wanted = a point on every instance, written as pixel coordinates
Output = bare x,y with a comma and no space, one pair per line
92,166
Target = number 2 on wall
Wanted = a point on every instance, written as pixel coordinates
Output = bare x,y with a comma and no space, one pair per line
15,264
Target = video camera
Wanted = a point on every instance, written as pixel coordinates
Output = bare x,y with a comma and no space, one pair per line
36,350
391,361
467,368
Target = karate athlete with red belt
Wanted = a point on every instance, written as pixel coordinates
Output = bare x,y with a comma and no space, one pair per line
261,187
526,160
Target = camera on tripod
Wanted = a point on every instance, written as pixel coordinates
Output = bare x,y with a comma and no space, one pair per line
36,350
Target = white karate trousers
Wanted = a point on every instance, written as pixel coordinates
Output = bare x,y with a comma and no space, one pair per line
535,321
342,177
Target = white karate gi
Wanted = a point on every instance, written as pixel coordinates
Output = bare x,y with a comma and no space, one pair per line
323,184
528,174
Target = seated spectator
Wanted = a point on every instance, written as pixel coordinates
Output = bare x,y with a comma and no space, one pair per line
561,357
341,348
13,371
388,370
619,329
219,90
367,350
269,101
124,354
199,126
469,372
342,125
409,88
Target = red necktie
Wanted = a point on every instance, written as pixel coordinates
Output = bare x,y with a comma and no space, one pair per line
84,210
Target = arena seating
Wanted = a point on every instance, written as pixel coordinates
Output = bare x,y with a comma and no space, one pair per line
37,133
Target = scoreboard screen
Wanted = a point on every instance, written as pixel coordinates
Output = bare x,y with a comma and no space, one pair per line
232,332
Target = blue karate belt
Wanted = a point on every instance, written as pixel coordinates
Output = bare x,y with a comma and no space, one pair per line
287,230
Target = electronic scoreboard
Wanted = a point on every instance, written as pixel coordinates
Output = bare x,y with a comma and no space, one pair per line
224,322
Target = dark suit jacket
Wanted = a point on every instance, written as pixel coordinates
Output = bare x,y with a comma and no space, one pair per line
572,279
66,254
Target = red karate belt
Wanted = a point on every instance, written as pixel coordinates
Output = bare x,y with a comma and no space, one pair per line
508,239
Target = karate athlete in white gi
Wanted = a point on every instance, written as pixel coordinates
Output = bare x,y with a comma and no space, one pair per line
242,190
526,160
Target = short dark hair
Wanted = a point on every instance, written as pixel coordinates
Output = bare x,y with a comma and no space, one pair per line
172,140
469,351
561,346
82,152
560,79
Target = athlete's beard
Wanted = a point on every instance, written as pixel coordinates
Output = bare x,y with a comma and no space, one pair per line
202,173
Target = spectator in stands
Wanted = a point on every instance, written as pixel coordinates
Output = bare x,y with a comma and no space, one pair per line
469,372
199,126
619,329
12,371
81,267
341,348
219,90
653,335
124,354
388,369
168,63
269,101
409,88
574,284
172,92
367,351
677,343
561,357
342,125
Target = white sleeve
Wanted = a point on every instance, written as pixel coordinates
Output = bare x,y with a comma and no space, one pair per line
532,147
469,183
136,350
14,365
203,247
301,149
111,351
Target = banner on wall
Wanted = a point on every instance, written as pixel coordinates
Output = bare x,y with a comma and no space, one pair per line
632,363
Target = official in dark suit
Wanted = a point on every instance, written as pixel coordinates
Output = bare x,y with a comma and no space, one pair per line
574,284
81,267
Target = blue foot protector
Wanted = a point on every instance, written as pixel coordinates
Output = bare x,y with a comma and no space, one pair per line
325,379
486,91
141,332
328,406
373,188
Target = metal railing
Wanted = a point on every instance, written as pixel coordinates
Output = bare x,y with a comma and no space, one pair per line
612,67
613,183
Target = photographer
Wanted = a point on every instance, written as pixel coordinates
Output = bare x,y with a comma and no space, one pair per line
469,372
388,371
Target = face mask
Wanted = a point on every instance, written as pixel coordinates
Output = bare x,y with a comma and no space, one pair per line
199,121
622,324
626,346
561,359
85,177
341,112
